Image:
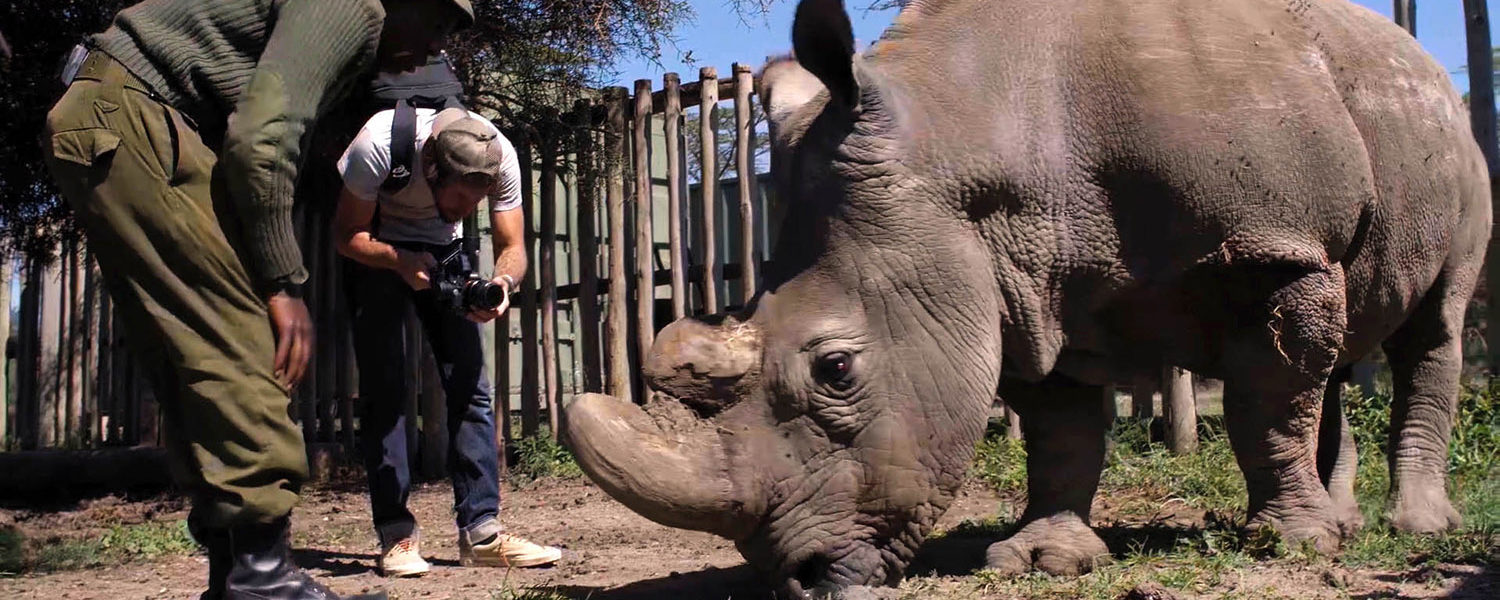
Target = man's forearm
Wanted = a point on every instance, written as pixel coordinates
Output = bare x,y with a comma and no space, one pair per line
366,250
512,262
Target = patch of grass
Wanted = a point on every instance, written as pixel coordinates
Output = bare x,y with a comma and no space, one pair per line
12,551
120,544
510,593
1000,462
541,458
1473,483
147,540
1142,474
991,528
1383,548
1208,479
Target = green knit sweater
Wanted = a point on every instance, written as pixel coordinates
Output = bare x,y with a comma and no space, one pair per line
256,74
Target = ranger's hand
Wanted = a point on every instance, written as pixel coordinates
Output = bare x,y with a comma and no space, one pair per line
485,316
294,337
413,268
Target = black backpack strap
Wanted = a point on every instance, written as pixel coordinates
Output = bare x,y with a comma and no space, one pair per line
403,146
404,137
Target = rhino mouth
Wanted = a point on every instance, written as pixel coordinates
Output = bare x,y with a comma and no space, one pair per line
854,574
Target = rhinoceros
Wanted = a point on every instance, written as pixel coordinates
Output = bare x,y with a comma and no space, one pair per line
1036,198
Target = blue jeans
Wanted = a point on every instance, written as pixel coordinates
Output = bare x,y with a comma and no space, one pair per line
380,299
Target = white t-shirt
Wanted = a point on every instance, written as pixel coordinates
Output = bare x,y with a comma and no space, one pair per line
411,214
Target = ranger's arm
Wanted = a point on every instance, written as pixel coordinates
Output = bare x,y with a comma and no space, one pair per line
314,52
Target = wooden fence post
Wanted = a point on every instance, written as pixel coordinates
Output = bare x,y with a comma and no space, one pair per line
588,249
104,380
54,404
74,432
434,416
708,144
672,117
1404,12
348,372
1111,409
6,408
745,174
620,376
645,247
1013,423
120,385
305,396
548,271
1180,409
91,342
329,346
28,353
1482,122
1142,393
530,374
502,383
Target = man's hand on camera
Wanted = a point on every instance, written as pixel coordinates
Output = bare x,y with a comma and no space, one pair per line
295,340
413,268
485,316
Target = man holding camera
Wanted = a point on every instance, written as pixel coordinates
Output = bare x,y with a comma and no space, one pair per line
407,241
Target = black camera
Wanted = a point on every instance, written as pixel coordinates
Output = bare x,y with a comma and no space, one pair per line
459,290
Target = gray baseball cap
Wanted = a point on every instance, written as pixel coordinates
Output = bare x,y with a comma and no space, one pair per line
464,145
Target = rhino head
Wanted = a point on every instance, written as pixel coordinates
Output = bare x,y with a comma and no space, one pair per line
827,426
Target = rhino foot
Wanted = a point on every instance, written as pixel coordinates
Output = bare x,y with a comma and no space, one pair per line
1058,545
1347,515
1422,510
1322,535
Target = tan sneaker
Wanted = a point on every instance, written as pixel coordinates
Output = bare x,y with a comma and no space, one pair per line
505,550
403,558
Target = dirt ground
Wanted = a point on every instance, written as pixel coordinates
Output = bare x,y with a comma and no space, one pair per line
613,554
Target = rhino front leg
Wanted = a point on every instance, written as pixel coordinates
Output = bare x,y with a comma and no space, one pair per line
1063,425
1278,361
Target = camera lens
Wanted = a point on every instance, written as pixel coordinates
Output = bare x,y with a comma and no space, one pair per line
484,294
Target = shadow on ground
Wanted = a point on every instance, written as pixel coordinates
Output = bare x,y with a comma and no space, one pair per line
337,564
738,583
1480,584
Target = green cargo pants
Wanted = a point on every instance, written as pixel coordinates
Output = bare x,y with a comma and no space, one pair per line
143,185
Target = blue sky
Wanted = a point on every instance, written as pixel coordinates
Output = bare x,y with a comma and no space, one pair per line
718,37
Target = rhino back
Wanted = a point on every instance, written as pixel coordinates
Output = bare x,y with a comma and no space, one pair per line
1113,146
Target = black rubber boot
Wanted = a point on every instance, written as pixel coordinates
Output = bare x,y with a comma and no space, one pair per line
261,568
216,543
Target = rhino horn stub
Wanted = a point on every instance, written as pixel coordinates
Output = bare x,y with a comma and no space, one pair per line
706,363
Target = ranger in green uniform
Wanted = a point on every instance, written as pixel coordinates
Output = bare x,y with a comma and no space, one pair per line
178,144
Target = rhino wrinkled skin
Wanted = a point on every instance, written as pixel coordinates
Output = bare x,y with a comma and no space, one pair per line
1067,193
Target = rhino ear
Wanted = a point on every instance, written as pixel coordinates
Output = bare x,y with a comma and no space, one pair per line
784,86
823,41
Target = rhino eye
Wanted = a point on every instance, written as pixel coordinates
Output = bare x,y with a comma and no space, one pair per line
835,370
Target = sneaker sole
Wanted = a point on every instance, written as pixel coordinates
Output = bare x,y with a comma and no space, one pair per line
470,561
412,571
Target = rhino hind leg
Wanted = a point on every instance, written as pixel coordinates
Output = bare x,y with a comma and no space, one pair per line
1426,363
1277,361
1063,425
1338,459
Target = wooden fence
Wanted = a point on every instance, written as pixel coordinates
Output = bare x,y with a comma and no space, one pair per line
628,246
